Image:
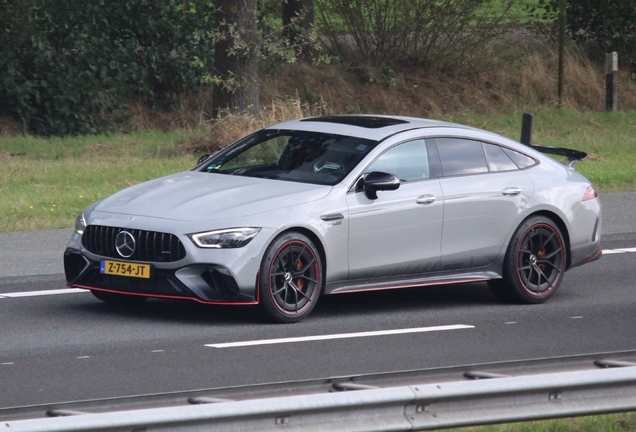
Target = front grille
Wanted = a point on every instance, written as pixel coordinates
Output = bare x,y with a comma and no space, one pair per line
149,245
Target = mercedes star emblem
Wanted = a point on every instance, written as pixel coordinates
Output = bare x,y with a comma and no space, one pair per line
125,244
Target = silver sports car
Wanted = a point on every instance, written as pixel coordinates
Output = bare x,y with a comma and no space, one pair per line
338,204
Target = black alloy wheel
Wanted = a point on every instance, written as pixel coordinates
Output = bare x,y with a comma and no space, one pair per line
534,263
290,278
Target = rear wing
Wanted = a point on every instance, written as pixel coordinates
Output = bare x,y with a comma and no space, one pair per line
526,138
572,155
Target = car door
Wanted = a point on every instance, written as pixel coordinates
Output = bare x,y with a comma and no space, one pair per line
484,192
398,233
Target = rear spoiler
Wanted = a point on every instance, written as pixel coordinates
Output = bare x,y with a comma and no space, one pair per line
526,138
572,155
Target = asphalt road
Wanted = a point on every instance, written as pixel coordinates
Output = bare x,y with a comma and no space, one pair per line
60,346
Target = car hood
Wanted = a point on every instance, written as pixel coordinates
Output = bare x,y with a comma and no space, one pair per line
196,196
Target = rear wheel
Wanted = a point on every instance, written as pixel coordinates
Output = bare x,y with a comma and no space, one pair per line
534,263
118,299
291,278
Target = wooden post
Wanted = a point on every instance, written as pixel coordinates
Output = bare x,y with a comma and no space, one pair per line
526,128
562,6
611,81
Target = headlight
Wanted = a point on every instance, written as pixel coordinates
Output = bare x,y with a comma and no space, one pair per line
80,224
227,238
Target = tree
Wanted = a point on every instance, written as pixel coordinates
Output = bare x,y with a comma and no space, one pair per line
417,32
608,24
298,18
235,58
611,24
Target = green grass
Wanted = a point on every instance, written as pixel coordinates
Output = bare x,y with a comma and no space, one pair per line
46,183
623,422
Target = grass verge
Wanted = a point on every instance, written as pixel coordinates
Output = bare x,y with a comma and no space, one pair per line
46,183
622,422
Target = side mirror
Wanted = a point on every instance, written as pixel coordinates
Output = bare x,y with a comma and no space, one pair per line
203,158
376,181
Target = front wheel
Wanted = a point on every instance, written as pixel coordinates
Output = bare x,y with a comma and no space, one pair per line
534,263
291,278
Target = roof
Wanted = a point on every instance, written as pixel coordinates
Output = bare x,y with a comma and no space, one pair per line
374,127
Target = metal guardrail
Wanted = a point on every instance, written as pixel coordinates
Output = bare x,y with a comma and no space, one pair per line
483,400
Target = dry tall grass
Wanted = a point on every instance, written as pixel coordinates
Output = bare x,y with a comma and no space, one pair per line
517,75
523,78
215,134
528,79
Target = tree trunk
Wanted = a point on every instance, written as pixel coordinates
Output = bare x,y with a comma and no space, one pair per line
235,59
298,17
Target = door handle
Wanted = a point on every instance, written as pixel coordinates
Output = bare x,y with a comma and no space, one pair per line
511,191
425,199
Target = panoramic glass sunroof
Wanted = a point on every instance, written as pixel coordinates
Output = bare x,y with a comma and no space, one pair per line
369,122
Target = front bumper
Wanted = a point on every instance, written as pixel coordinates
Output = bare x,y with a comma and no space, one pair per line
204,283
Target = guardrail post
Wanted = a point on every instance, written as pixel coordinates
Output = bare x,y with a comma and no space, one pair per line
611,81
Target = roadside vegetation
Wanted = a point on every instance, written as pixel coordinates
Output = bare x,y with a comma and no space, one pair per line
136,108
623,422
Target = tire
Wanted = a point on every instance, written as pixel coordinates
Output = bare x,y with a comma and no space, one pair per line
118,299
291,278
534,263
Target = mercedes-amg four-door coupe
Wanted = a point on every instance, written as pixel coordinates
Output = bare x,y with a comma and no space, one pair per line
338,204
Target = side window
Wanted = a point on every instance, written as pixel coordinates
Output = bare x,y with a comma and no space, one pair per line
521,160
498,160
461,156
408,161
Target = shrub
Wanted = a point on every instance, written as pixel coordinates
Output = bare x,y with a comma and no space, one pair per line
69,67
608,25
416,32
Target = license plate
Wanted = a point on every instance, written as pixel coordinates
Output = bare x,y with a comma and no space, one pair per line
120,268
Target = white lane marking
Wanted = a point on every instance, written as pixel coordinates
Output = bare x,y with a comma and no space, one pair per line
157,351
612,251
618,251
576,317
82,357
42,293
339,336
511,322
7,363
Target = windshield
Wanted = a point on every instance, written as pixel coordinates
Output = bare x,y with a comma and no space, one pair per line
308,157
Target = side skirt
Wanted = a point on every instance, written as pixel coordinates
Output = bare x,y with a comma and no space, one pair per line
340,287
